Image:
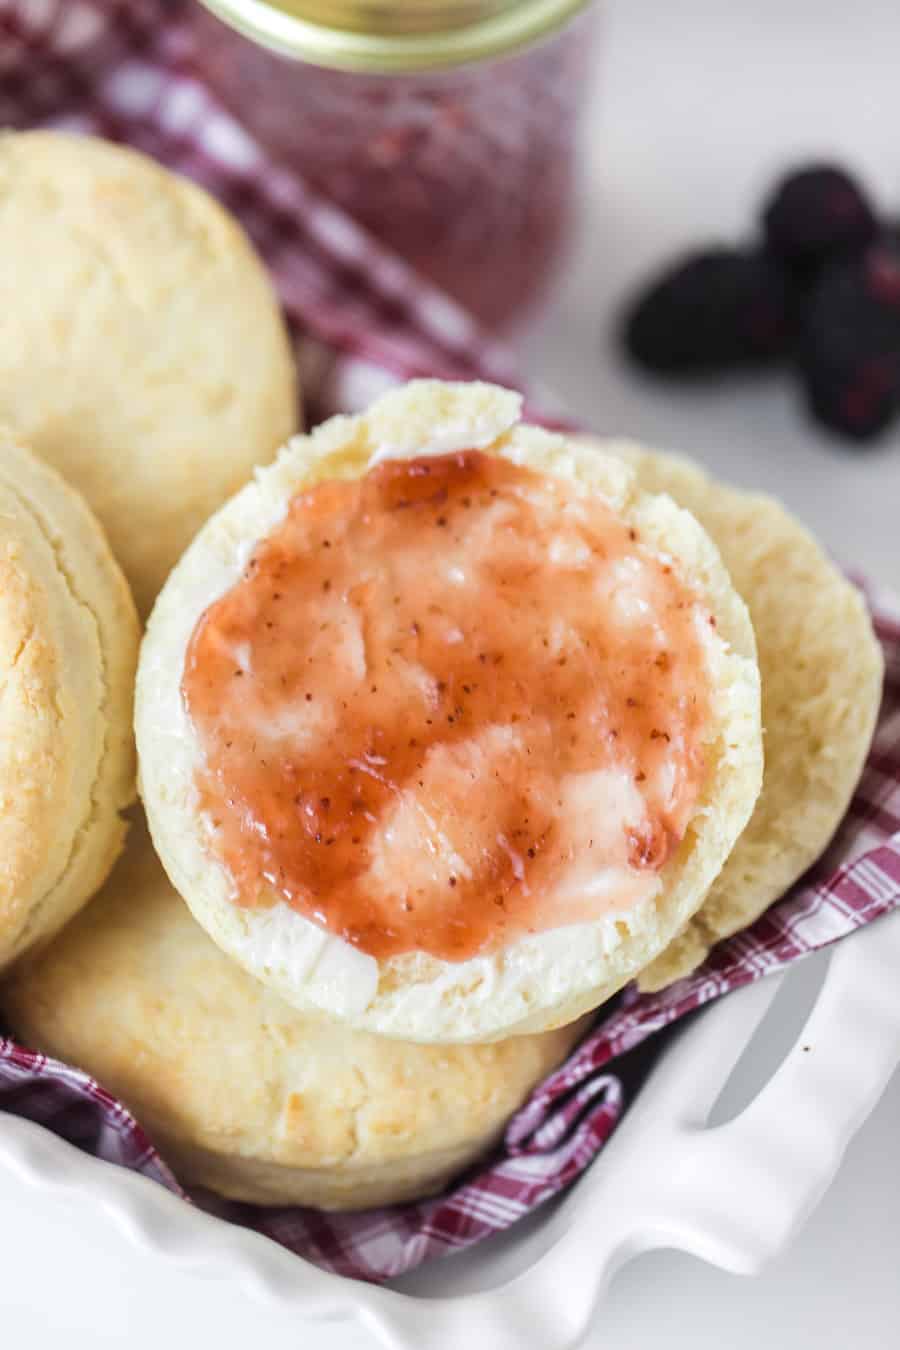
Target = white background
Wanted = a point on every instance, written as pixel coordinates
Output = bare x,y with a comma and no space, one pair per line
699,103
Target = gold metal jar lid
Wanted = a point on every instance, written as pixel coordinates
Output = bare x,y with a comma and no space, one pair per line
394,36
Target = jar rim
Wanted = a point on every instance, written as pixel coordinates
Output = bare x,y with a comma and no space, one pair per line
395,38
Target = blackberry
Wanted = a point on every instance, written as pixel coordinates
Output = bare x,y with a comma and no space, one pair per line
710,310
849,353
816,216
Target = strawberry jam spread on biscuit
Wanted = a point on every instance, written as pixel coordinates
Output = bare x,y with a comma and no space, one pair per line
448,704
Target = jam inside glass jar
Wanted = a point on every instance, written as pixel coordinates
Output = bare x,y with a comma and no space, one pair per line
466,171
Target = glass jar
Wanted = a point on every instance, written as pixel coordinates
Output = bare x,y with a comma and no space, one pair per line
446,127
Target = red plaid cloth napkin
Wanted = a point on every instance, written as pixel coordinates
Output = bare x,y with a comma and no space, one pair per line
362,320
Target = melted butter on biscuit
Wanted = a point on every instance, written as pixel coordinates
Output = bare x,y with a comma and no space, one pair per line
449,703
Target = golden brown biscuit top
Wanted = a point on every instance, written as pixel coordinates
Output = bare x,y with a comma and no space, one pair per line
32,754
68,648
142,352
821,668
135,992
449,703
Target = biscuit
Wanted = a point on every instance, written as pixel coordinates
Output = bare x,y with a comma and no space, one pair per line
68,649
142,352
241,1093
542,979
821,668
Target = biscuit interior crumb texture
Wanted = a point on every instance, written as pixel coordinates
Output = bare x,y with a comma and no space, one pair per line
821,668
142,352
540,980
243,1094
68,650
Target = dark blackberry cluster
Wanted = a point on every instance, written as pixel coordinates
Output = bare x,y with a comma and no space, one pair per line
817,216
821,290
712,309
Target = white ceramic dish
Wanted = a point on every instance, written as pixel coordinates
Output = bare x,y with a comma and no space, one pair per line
732,1193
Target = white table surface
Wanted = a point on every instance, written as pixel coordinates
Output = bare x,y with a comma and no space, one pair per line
699,104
